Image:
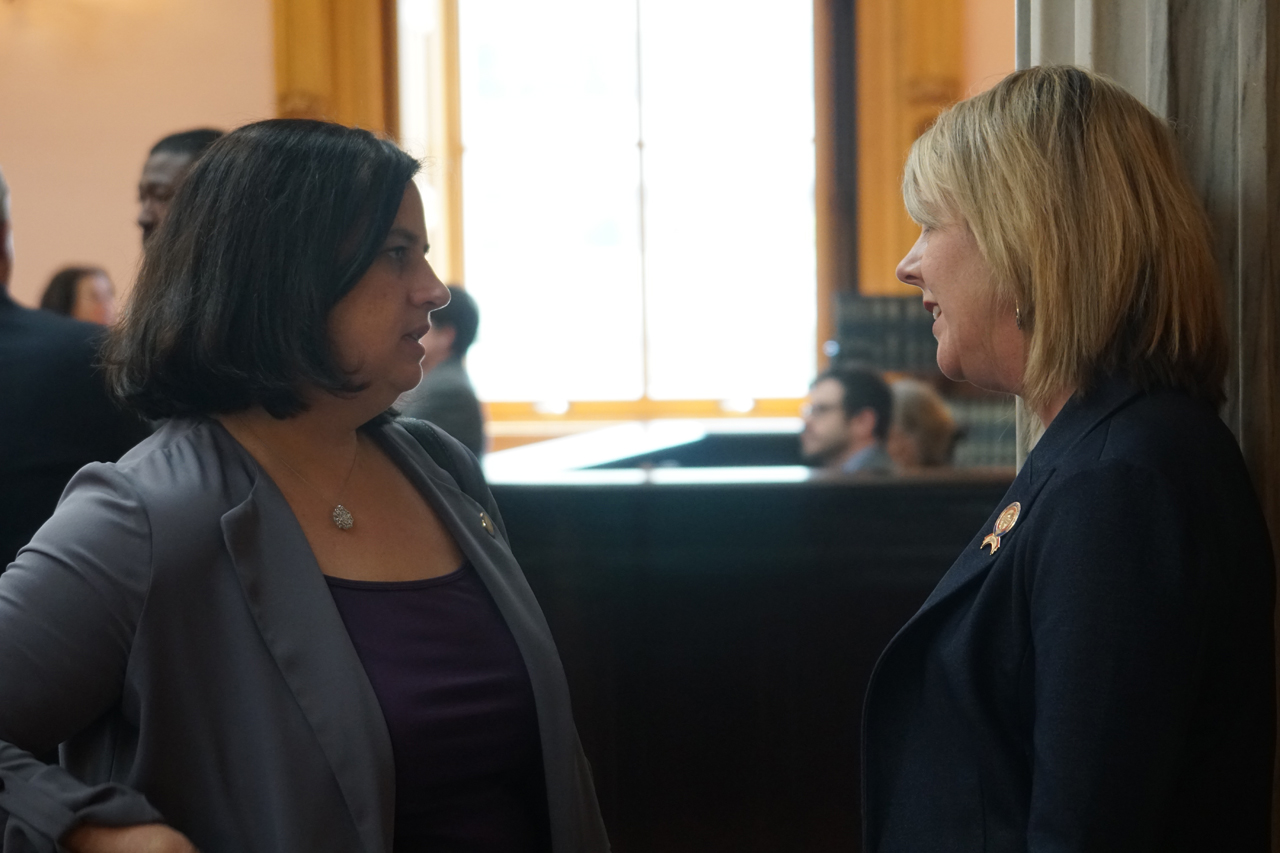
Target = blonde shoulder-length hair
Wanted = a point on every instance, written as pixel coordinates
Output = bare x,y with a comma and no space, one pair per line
1080,205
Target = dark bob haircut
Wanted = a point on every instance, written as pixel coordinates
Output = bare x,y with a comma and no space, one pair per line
273,225
60,294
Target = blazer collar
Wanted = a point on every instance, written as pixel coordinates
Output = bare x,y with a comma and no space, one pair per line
1078,418
301,626
461,516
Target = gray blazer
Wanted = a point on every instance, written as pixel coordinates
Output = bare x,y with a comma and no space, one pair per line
170,627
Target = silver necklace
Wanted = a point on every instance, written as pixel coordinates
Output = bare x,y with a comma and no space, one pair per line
342,518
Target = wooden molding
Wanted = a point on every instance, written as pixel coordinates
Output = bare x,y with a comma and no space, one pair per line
910,67
335,60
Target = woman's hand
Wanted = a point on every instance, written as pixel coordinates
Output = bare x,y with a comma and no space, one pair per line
142,838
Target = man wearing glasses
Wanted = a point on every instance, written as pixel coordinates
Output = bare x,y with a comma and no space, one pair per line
846,420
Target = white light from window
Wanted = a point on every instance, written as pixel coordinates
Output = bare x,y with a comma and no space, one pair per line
702,286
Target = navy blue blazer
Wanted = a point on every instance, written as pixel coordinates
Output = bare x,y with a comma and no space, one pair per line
56,416
1104,681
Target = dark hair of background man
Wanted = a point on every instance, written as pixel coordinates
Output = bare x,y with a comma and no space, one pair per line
190,142
863,389
461,315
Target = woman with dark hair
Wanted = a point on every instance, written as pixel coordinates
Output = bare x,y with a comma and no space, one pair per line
84,293
1096,670
286,621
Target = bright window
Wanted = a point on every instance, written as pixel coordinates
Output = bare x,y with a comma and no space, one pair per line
637,188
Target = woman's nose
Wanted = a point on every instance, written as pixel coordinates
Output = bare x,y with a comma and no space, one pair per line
908,271
430,290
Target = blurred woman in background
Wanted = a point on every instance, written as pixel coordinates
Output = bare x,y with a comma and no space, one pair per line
85,293
923,431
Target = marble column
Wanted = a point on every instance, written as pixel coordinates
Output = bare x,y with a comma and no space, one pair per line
1212,67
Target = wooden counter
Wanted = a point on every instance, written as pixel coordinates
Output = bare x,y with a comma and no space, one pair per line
718,628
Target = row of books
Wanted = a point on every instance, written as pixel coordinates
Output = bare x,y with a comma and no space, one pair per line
887,332
989,434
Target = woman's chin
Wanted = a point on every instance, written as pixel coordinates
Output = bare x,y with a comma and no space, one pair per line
399,384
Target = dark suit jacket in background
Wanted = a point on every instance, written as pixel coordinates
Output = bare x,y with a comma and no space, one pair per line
445,398
1104,681
170,627
55,416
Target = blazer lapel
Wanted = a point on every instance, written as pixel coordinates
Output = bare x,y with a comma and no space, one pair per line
976,559
295,613
1077,419
501,574
488,552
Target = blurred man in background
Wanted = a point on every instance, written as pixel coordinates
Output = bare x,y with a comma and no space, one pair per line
445,396
55,413
167,164
846,420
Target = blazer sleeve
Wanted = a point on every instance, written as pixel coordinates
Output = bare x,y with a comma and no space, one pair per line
1116,620
69,607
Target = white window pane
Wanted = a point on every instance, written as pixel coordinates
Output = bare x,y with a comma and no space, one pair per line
730,263
550,197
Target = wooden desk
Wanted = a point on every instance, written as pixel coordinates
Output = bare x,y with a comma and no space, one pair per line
718,628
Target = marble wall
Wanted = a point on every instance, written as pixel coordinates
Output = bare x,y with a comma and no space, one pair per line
1212,67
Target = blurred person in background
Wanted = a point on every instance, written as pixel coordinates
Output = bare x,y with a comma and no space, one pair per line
846,421
445,396
55,413
83,293
167,164
923,431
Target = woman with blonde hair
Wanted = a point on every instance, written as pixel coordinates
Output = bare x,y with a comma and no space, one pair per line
1096,670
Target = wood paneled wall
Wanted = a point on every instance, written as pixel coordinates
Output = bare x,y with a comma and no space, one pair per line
910,66
336,60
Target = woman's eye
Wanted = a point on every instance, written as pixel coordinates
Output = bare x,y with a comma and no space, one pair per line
398,254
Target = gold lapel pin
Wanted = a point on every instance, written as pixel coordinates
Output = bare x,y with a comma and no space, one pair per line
1004,524
487,524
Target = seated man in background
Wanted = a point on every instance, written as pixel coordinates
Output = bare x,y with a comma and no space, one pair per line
167,164
55,414
445,396
846,420
923,433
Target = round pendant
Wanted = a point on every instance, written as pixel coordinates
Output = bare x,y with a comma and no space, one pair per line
342,517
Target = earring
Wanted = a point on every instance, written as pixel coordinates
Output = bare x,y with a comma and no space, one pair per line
1017,315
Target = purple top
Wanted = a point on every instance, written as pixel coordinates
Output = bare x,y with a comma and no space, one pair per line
459,707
